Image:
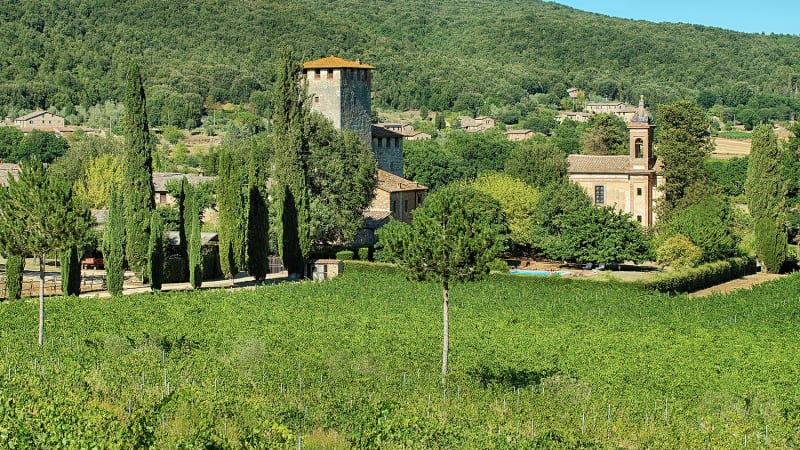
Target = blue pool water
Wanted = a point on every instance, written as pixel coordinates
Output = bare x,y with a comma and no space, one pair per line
538,273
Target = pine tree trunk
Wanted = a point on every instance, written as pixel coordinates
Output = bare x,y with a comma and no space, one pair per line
41,299
446,327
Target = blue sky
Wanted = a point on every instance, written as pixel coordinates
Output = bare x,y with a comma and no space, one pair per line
768,16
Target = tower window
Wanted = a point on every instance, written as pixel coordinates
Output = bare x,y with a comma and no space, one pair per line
599,195
638,148
330,74
638,191
639,219
317,75
316,99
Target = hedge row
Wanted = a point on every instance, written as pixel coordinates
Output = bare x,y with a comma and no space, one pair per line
707,275
174,268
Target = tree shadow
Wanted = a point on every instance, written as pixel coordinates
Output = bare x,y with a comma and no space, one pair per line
510,376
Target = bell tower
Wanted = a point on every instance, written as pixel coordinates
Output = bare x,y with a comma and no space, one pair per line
641,129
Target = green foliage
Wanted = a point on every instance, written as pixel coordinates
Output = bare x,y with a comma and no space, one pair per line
15,266
343,181
155,253
455,233
517,199
766,191
39,215
429,163
678,252
556,201
182,249
41,145
709,224
537,163
363,254
598,235
71,271
174,269
195,242
607,135
258,211
291,191
114,244
138,201
729,174
567,136
10,137
344,255
683,145
231,215
95,184
498,265
707,275
83,150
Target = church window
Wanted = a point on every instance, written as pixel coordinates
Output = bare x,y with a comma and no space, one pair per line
638,148
599,195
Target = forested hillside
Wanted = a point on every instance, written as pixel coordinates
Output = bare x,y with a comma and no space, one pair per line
448,55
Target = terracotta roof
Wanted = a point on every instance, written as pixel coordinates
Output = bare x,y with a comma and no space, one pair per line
598,164
160,179
521,131
390,182
334,62
380,132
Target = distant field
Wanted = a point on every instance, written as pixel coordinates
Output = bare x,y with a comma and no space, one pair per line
736,134
731,148
354,362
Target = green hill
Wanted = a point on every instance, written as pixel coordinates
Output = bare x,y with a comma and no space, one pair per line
441,55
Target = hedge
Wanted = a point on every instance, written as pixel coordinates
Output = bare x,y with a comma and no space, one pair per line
344,255
707,275
174,267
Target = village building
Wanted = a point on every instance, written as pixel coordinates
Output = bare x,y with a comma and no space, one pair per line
519,135
39,120
395,197
577,116
620,109
476,125
630,182
161,179
402,128
417,136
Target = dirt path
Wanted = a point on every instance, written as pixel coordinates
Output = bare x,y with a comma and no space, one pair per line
739,283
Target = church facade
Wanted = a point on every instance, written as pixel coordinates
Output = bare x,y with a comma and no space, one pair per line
629,182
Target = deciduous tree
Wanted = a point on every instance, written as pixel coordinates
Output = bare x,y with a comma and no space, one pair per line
537,163
453,236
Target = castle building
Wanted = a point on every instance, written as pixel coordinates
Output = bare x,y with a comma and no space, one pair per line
627,182
341,90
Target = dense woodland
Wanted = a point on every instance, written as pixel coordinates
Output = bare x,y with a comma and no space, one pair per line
72,54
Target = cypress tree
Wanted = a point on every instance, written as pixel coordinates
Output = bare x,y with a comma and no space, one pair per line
229,203
183,245
258,213
765,190
114,245
71,271
292,198
138,171
195,243
15,266
156,251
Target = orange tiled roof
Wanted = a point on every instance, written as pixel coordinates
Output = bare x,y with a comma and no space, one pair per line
334,62
598,164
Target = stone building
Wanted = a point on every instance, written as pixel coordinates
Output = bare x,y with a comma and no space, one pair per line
341,90
39,120
627,182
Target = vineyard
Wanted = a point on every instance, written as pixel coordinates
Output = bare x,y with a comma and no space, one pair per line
354,362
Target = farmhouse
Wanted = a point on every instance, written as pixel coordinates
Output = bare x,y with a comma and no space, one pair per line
476,125
39,120
160,180
620,109
395,197
519,135
628,182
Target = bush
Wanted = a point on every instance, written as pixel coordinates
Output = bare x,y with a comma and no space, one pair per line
344,255
678,252
363,254
498,265
211,265
707,275
174,269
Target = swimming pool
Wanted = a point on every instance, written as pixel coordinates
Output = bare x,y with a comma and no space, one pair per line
537,273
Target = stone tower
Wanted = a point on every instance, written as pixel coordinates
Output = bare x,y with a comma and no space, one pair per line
341,90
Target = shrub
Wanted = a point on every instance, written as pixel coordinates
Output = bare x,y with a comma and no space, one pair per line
707,275
211,265
498,265
174,269
344,255
363,254
678,252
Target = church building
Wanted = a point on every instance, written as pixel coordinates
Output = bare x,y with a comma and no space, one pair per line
627,182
